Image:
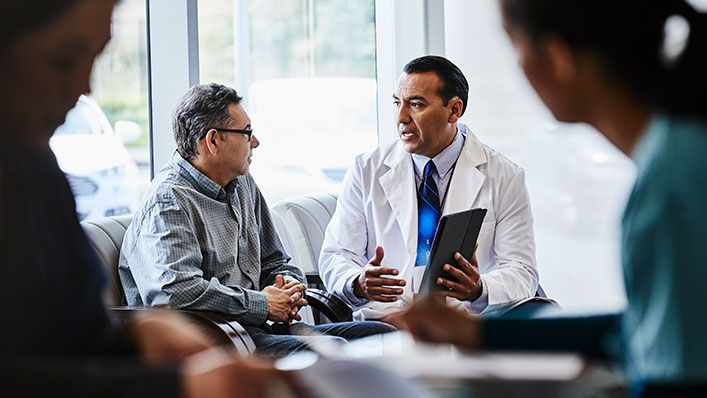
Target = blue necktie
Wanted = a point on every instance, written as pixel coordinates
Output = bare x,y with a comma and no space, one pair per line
428,213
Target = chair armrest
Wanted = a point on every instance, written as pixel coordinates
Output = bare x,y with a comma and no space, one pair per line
328,304
229,334
313,278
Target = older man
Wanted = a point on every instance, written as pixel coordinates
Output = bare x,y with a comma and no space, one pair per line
203,237
375,250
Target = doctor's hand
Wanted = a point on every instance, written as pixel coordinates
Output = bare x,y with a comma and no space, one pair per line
373,283
467,286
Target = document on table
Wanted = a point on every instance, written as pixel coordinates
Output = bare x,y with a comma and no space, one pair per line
400,353
393,364
343,378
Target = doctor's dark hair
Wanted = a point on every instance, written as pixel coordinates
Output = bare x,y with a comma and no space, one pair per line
631,39
454,83
203,107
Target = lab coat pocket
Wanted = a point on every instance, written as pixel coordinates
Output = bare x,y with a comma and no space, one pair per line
485,241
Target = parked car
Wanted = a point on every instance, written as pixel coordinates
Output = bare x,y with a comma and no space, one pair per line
102,175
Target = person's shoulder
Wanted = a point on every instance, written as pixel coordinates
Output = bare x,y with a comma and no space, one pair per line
679,157
168,191
164,186
686,136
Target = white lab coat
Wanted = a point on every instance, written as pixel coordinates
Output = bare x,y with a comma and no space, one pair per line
377,206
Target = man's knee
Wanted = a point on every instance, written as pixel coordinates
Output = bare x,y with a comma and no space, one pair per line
378,327
368,328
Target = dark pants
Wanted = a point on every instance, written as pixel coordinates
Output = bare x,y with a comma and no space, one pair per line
280,339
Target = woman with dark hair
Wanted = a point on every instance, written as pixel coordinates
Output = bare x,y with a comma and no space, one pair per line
634,70
56,337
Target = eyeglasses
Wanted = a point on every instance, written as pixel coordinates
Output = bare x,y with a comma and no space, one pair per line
247,132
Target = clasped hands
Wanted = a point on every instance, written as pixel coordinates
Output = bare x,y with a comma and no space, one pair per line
375,283
285,299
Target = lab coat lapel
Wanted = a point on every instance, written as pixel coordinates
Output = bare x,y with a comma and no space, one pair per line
467,180
399,186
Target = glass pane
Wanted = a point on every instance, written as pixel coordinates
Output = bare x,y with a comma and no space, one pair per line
103,144
307,72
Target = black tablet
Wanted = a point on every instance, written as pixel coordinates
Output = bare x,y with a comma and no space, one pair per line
456,232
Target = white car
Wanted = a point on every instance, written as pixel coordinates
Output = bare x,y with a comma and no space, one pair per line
103,176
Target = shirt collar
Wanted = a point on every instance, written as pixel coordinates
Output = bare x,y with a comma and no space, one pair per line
649,140
445,159
201,182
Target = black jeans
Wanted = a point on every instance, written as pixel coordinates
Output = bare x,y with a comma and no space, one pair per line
281,339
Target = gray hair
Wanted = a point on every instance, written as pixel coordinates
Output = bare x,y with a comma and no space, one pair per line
203,107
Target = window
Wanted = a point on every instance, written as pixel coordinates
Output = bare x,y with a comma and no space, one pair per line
103,144
578,182
306,70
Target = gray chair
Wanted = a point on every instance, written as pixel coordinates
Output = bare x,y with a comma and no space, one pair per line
301,222
106,236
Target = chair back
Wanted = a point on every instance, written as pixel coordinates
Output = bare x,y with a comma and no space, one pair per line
106,236
301,222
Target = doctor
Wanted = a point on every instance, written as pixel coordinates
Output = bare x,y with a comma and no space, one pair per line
377,244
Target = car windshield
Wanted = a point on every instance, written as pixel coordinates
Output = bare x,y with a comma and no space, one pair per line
80,120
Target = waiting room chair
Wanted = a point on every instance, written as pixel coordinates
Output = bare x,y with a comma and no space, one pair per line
106,236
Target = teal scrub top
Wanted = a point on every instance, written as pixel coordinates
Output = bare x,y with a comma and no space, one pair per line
664,254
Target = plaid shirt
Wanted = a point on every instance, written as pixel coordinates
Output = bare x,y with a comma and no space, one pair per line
193,244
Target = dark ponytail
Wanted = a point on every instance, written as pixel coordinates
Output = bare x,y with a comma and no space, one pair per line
630,36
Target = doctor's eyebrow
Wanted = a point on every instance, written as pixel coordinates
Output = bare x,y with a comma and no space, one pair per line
412,98
416,98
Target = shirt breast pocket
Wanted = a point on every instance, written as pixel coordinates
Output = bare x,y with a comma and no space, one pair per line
249,250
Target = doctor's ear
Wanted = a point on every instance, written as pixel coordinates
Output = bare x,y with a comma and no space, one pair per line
455,106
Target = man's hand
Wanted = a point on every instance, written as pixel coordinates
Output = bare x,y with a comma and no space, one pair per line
372,283
282,297
163,335
467,286
297,300
432,320
215,374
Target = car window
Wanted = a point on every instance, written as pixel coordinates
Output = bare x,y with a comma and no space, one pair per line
80,120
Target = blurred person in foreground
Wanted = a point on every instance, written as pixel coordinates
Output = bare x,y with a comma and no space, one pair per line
624,69
57,338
